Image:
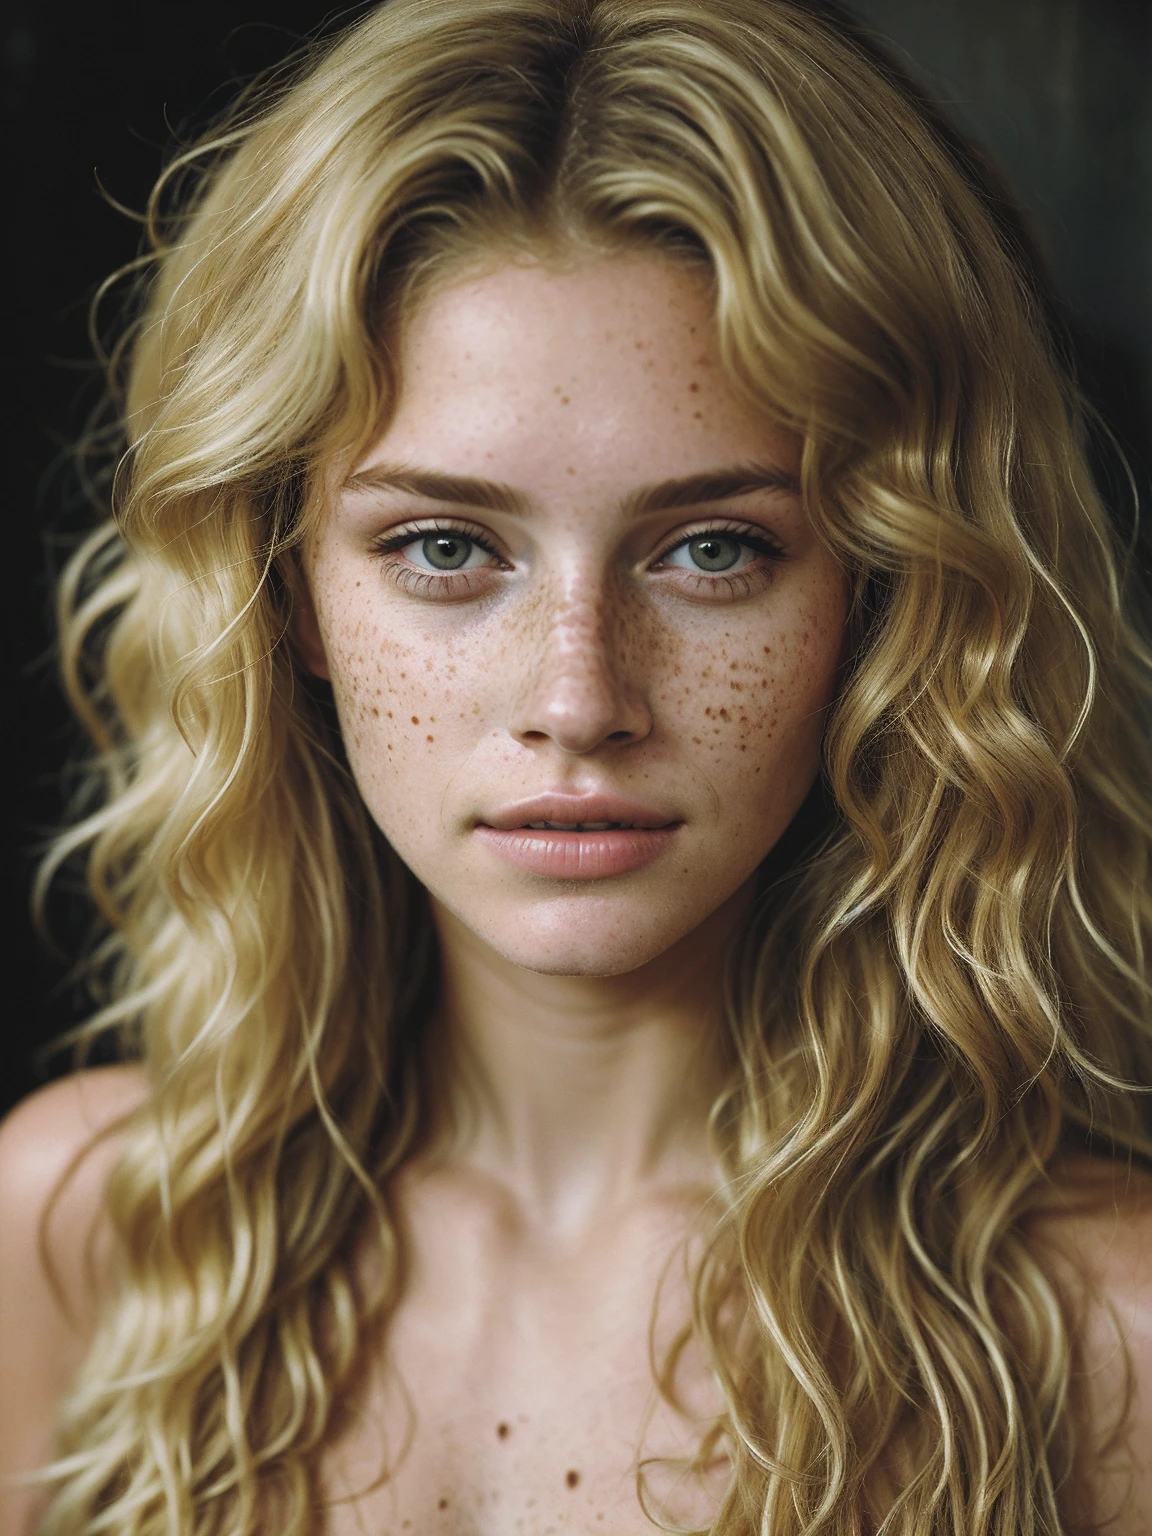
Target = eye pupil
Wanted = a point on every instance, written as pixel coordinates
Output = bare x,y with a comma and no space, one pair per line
446,551
713,553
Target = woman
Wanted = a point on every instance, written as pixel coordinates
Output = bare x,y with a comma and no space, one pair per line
625,828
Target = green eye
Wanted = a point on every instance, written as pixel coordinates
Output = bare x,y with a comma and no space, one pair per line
712,552
446,551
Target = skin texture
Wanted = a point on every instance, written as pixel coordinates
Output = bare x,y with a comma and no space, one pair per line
582,663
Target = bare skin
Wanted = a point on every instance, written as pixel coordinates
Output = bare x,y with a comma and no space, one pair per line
574,646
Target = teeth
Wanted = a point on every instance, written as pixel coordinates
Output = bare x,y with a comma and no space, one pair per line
579,826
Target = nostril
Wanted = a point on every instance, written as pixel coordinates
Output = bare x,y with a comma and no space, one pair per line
580,708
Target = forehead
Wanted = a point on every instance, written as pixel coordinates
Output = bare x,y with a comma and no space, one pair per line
597,370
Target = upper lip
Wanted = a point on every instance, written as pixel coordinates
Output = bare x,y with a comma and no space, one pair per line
569,810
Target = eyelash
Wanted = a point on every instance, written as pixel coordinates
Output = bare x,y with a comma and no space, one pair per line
755,538
428,583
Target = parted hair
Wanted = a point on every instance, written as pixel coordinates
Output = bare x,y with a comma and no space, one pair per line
942,992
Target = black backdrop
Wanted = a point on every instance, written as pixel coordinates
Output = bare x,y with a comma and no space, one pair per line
95,95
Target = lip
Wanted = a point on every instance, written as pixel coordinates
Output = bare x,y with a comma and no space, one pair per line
571,855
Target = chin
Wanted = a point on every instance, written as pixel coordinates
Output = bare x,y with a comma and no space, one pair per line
608,943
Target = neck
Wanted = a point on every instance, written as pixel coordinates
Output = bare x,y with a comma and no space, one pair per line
583,1093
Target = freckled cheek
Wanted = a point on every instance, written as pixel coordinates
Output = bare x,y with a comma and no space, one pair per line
404,703
751,704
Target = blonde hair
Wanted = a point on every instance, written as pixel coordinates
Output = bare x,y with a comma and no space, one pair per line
943,988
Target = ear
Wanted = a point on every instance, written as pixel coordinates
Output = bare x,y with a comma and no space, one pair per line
305,630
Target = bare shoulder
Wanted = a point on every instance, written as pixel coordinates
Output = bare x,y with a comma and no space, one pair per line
61,1118
1098,1231
56,1150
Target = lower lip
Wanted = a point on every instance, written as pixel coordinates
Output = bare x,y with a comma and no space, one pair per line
578,855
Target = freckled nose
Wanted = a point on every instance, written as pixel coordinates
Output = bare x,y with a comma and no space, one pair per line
582,689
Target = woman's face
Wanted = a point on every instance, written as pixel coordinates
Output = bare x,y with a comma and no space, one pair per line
580,633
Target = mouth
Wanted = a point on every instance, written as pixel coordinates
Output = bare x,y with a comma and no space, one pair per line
581,826
563,812
578,837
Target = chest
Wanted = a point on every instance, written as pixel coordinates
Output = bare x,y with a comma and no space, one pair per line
513,1401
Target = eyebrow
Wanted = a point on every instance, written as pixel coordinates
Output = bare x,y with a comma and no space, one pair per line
662,496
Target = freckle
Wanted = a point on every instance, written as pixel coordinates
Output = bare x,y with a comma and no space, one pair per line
429,738
443,1504
564,400
503,1431
415,719
697,741
375,711
697,415
694,387
569,470
389,746
572,1478
389,714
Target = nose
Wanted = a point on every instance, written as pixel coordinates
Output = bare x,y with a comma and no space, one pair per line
582,689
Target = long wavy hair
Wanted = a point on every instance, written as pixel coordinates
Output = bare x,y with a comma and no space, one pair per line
942,992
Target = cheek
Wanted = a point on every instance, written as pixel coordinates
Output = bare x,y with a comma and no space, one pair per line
402,703
749,706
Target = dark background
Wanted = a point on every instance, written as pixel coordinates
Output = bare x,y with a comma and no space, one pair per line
98,95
